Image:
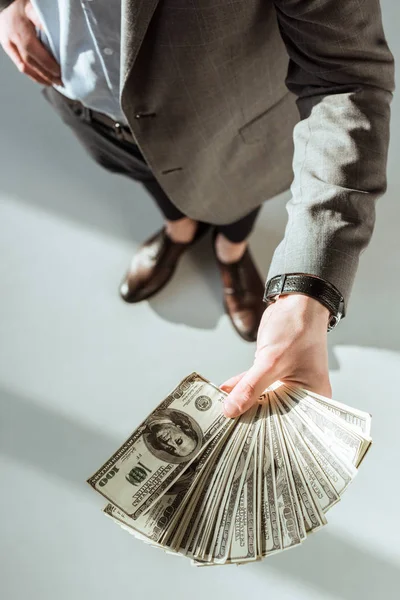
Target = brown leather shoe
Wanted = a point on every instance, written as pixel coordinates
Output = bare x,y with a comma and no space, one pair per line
243,291
153,265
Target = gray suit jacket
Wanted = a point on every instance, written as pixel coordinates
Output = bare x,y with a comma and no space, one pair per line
219,136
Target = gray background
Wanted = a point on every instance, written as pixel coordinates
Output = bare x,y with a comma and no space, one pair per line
79,369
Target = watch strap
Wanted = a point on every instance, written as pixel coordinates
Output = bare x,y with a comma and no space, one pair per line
300,283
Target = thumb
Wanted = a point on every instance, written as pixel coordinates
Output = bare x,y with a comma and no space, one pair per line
229,384
248,390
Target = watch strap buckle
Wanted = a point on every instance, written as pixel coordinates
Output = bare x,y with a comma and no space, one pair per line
310,285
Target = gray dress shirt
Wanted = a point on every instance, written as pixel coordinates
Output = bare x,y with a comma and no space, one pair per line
84,36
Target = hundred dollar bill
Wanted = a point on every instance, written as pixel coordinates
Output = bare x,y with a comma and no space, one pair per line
230,491
289,475
313,515
338,435
155,522
339,471
243,544
260,481
179,534
285,507
227,517
203,498
243,547
190,480
220,487
318,483
271,539
162,447
359,419
294,491
181,538
126,523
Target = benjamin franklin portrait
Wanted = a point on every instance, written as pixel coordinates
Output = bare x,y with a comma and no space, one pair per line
173,436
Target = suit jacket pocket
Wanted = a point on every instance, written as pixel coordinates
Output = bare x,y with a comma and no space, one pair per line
269,123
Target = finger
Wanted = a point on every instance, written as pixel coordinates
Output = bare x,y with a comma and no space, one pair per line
229,384
32,15
35,75
38,57
12,52
248,390
52,79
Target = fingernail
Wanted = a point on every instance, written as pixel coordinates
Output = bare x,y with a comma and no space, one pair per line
231,410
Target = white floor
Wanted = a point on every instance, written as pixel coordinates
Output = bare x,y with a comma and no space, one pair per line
79,369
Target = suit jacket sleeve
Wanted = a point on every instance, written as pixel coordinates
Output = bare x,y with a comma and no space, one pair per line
342,73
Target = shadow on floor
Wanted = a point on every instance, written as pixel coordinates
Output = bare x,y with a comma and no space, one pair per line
60,178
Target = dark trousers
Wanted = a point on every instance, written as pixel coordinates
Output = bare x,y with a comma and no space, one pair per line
121,156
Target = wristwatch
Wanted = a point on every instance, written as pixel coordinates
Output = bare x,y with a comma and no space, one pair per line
300,283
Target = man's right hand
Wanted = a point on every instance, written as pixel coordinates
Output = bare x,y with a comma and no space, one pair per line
19,40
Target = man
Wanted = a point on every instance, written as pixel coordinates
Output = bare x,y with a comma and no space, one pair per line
189,98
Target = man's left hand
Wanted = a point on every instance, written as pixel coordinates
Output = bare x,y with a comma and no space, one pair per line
291,347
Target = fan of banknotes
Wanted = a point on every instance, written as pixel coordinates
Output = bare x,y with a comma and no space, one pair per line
222,491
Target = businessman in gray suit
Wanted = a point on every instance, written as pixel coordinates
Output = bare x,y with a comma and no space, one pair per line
197,101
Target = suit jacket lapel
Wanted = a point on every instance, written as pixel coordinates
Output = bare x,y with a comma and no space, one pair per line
136,16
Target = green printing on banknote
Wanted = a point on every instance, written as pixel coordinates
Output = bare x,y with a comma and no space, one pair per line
232,491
